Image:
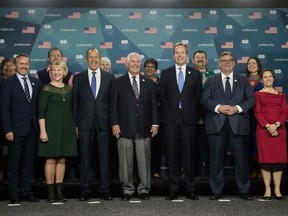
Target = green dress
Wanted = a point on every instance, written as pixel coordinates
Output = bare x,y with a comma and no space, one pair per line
55,106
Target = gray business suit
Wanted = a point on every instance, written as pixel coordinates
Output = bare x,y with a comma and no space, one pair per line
228,130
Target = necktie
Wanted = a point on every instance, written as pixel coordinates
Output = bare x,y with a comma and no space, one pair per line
135,87
93,83
227,89
26,89
180,80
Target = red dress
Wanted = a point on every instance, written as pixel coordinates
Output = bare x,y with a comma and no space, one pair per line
270,108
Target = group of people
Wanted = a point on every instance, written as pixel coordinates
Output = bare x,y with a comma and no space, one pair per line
59,114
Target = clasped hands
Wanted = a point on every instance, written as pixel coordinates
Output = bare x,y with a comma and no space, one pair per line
272,129
228,110
116,131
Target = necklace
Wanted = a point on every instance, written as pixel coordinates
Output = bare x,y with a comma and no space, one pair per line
62,93
271,91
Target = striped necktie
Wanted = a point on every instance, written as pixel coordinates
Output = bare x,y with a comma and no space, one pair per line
26,90
135,87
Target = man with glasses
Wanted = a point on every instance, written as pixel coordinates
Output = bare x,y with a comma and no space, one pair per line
228,97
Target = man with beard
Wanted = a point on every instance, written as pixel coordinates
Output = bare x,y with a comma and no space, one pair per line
200,62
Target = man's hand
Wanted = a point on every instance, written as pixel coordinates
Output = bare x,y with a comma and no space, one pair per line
10,136
116,131
154,130
228,110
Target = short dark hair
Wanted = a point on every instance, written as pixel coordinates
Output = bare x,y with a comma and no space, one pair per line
267,69
55,49
199,51
5,61
180,44
152,61
258,64
20,55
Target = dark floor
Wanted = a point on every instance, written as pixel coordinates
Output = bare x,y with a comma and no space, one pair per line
159,187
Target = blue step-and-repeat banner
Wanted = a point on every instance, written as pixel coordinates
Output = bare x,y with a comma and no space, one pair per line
116,32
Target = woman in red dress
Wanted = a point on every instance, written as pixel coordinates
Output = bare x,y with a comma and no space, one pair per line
270,112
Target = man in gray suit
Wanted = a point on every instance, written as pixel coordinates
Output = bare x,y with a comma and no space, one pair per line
228,97
134,118
91,106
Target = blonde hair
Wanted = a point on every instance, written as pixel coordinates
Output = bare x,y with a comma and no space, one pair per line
62,64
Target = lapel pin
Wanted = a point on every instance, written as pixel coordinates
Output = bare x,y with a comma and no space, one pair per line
189,72
33,84
143,80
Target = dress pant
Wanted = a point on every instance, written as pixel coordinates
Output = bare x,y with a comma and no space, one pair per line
88,142
20,167
126,160
181,146
238,145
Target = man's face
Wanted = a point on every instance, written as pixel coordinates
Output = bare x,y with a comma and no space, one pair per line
180,55
93,59
55,55
200,61
22,65
149,70
133,66
226,64
9,69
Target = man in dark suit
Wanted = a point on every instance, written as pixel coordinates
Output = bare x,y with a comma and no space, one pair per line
54,54
134,118
20,126
228,97
91,106
180,90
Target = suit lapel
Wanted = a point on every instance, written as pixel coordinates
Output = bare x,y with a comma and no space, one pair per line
86,82
102,81
128,84
220,83
143,85
174,82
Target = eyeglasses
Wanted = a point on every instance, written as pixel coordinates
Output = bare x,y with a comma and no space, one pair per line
226,61
147,66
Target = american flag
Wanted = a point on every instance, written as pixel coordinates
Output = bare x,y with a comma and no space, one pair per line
150,30
12,14
28,30
44,45
106,45
195,15
134,15
255,15
284,46
271,30
75,15
166,45
89,30
227,45
122,60
242,60
211,30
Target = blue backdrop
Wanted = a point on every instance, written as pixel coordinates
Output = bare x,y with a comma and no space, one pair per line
116,32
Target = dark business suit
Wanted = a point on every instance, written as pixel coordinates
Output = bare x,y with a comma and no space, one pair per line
180,124
2,139
228,130
135,118
20,117
93,122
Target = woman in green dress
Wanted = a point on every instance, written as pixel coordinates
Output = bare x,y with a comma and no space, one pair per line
57,130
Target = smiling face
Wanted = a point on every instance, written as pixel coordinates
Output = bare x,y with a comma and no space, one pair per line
252,66
226,64
180,54
105,66
133,64
22,65
267,78
59,71
200,61
9,69
54,55
93,58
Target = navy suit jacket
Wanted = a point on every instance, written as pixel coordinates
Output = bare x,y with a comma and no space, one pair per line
88,110
242,95
16,112
171,96
131,114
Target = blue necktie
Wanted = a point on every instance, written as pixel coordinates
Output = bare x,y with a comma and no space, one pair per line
228,89
93,83
180,83
180,80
